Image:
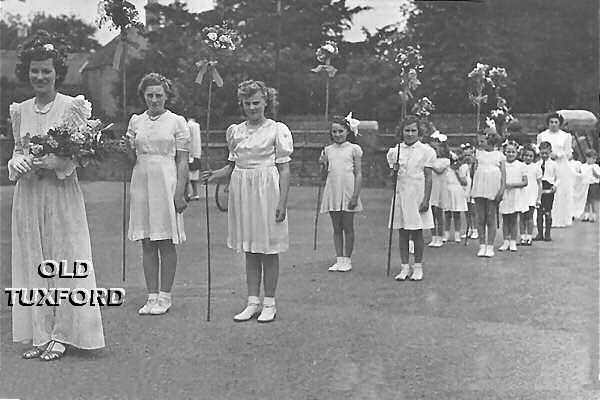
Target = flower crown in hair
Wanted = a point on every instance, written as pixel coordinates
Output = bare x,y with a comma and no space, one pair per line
465,146
47,43
440,137
352,123
510,142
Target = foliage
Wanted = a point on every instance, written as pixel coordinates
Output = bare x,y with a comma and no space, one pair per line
119,14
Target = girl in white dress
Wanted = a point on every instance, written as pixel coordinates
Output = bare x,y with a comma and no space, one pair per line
579,189
488,187
342,161
468,161
590,172
514,200
411,162
439,168
533,194
453,195
259,157
561,142
48,212
161,140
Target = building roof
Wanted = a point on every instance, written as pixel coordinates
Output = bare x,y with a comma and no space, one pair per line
76,63
104,56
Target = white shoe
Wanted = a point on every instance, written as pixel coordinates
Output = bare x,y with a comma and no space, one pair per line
464,235
337,264
433,242
474,234
440,242
504,246
481,252
457,237
346,265
404,272
417,274
489,251
161,307
411,247
446,236
267,314
248,313
147,308
513,245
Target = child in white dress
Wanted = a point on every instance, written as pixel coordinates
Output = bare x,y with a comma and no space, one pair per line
453,195
342,161
439,168
468,161
514,200
533,193
488,187
590,172
259,157
411,162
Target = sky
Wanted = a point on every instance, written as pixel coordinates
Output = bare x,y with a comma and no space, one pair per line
384,12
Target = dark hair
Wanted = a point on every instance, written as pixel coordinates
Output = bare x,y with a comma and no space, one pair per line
251,87
154,79
556,115
491,136
511,143
444,150
409,120
42,46
337,119
545,145
591,153
530,148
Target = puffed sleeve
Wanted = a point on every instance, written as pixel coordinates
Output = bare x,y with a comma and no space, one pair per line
79,112
284,145
230,143
357,152
19,149
430,157
132,130
182,135
392,156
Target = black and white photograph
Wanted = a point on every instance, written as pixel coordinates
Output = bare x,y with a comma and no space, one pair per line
300,199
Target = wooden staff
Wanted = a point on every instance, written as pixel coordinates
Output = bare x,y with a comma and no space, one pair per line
389,255
210,81
125,166
319,191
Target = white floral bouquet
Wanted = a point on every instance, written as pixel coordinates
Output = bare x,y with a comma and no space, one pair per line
410,59
327,51
423,107
480,78
219,37
498,77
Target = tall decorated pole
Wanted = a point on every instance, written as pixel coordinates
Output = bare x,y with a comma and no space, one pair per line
498,78
479,79
217,38
324,55
121,15
410,68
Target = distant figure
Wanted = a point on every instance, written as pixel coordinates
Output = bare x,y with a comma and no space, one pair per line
194,160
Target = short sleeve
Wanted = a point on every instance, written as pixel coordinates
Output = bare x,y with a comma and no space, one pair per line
392,156
230,144
538,172
79,111
284,144
357,152
501,158
430,157
132,127
596,168
182,134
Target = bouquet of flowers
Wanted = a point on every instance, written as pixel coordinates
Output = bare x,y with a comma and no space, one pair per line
498,77
423,107
327,51
83,143
478,75
120,13
219,37
410,59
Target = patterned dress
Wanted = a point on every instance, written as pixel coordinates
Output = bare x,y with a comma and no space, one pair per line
49,223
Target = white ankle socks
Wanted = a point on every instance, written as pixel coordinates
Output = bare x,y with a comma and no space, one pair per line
164,295
253,300
269,301
152,296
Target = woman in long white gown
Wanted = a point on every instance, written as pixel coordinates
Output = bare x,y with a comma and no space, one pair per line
562,149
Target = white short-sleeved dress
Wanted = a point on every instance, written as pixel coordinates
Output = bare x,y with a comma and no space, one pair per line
154,179
49,222
339,187
488,177
534,172
410,187
453,194
254,187
514,199
438,182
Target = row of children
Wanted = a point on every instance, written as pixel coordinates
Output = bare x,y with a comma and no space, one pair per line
434,185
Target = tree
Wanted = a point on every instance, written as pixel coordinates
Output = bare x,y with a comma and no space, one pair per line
79,34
